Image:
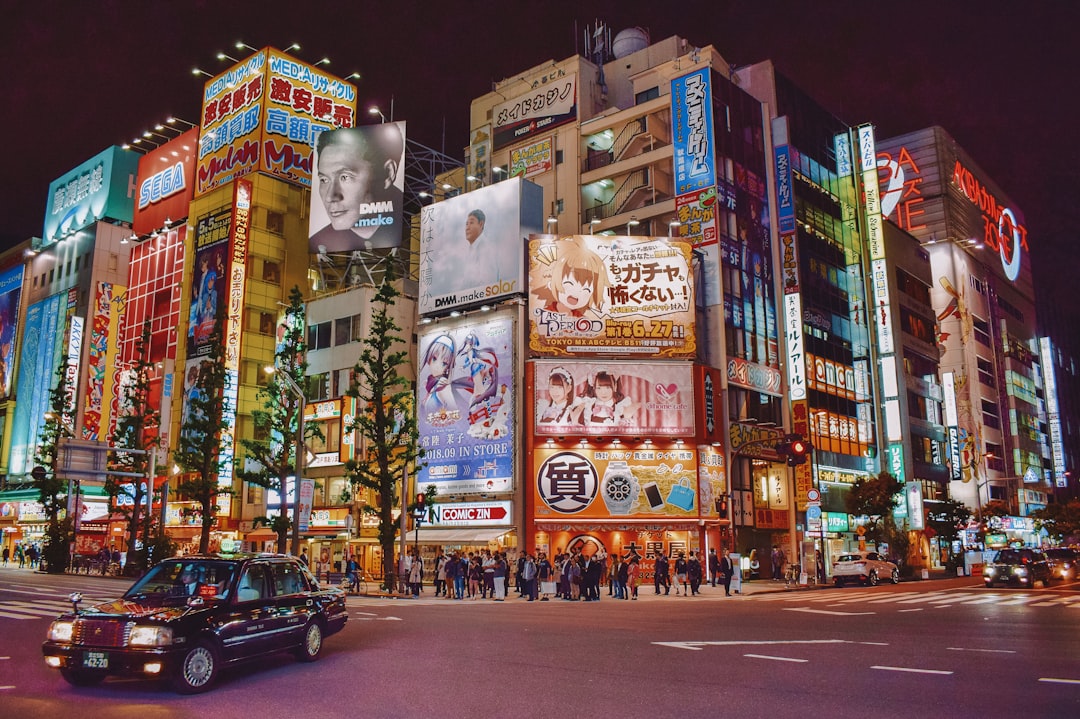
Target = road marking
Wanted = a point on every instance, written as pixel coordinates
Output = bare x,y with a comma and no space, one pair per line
901,611
775,659
874,644
808,610
9,686
1052,680
910,669
991,651
698,646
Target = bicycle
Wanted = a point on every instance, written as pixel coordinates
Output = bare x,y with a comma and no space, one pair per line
360,583
791,576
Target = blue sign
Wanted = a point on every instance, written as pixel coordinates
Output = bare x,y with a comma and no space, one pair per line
785,193
692,120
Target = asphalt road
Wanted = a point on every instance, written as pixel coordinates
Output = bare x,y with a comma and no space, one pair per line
947,648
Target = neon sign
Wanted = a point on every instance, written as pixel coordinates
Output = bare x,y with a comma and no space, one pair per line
1001,231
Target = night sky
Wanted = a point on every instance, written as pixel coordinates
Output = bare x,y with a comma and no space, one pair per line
998,76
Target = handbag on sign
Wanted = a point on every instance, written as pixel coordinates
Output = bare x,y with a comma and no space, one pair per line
682,495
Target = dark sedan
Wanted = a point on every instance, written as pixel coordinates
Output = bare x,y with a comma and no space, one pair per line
1018,566
189,616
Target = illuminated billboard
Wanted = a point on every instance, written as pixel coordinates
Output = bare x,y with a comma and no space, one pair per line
934,191
692,126
534,159
96,189
10,296
39,357
358,180
209,280
472,246
552,101
263,115
603,295
165,184
102,350
613,399
465,403
601,484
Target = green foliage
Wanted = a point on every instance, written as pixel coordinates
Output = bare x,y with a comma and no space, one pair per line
1060,521
274,447
876,498
53,490
947,517
137,429
199,444
386,419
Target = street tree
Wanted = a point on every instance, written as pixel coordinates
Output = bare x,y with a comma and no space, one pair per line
876,498
1060,520
946,518
198,452
272,453
386,420
137,435
53,492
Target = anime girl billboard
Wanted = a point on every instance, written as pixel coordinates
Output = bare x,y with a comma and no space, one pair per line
604,295
465,401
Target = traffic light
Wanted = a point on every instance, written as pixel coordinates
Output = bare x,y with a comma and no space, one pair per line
420,511
798,450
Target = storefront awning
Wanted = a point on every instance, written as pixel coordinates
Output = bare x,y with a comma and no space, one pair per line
458,536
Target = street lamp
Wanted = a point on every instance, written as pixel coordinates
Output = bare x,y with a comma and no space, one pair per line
294,546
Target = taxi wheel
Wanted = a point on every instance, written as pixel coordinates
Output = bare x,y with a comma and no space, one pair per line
872,578
81,678
197,670
313,640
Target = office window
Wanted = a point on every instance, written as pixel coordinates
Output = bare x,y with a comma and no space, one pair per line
318,336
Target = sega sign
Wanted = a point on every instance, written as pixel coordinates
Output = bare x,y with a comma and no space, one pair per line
164,184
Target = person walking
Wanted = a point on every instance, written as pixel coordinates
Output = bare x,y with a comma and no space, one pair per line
693,573
416,575
633,576
622,576
680,575
776,558
727,571
449,570
7,555
714,566
661,573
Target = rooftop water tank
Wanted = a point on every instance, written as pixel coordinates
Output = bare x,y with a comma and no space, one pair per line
629,41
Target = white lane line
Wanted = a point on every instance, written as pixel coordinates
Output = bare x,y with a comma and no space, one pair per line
1052,680
1056,600
912,670
808,610
9,686
916,609
874,644
698,646
27,615
989,651
775,659
984,600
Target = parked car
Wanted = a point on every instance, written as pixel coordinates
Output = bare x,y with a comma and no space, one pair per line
1063,562
866,567
189,616
1023,567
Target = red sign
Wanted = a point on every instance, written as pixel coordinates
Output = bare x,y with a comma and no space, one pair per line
164,186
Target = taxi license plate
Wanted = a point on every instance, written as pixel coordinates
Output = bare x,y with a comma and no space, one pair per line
96,660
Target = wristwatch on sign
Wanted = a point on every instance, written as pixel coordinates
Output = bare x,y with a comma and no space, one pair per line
619,488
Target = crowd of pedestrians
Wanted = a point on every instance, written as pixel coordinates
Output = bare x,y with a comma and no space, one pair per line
23,555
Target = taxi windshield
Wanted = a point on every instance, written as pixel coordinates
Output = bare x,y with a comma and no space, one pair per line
206,578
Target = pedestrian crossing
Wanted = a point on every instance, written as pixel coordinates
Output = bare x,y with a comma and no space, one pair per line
910,600
42,608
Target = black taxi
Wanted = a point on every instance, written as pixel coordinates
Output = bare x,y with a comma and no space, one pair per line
189,616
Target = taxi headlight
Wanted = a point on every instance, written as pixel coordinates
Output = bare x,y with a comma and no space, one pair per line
1022,571
150,636
61,631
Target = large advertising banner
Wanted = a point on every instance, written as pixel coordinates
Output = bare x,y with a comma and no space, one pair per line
263,114
98,188
358,178
102,352
472,246
643,399
602,484
208,279
465,406
37,373
10,296
551,102
533,159
166,183
604,295
692,120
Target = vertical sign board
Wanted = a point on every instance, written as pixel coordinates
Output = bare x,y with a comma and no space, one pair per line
692,120
241,222
1053,416
101,358
37,370
10,297
951,425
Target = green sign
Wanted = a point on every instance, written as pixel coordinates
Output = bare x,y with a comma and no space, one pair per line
836,522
